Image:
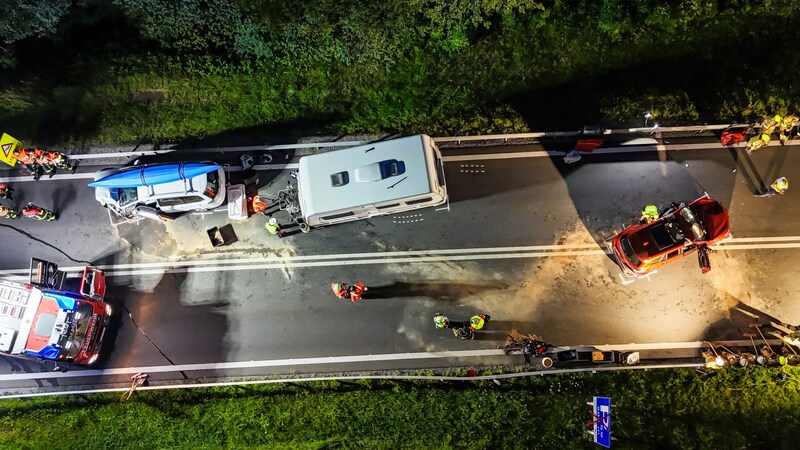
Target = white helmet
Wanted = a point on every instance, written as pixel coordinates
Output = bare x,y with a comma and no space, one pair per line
272,221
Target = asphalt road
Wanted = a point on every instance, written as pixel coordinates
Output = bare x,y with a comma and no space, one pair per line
523,240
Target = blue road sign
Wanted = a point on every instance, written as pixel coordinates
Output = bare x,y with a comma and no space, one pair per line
602,428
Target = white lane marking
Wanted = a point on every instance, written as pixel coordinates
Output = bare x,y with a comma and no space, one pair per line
313,361
289,264
411,256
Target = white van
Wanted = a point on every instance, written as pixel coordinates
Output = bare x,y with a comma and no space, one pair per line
198,193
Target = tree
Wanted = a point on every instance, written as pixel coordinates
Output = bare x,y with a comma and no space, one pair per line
27,18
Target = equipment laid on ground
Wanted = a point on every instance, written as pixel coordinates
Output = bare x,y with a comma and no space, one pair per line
40,320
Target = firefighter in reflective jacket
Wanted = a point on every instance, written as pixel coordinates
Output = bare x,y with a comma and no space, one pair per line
43,161
356,291
339,289
785,126
477,321
5,191
8,213
649,214
757,142
780,185
441,321
34,212
27,158
59,161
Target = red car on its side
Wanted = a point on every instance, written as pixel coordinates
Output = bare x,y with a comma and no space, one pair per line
680,230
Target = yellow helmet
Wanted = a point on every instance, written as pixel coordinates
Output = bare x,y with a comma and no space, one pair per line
777,118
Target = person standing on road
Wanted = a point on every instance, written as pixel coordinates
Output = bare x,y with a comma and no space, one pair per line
339,289
356,291
59,161
28,160
441,321
41,159
477,321
8,213
6,191
36,213
779,186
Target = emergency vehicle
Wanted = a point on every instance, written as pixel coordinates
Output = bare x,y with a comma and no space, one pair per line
51,324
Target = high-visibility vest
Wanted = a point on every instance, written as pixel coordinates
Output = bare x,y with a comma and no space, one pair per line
440,321
7,212
781,184
476,322
272,228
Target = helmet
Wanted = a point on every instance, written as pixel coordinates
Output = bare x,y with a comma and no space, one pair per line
272,221
777,118
336,286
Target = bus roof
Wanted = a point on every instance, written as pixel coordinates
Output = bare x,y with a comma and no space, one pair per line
365,183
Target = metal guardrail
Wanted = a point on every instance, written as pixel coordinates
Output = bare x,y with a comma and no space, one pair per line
456,139
358,377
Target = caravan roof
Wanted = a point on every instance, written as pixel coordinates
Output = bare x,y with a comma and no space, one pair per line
364,175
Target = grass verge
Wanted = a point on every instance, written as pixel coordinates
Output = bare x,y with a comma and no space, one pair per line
651,409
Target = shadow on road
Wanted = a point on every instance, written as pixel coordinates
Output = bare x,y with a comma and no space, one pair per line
436,291
743,321
155,319
498,330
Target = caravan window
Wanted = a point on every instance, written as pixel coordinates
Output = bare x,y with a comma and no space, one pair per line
392,168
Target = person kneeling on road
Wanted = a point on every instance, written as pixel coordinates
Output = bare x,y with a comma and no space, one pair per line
273,227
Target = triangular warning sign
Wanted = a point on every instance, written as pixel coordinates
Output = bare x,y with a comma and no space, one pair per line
7,149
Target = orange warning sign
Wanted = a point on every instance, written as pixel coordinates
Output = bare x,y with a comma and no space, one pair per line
7,146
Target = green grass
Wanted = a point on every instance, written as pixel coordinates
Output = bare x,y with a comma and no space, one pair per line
656,409
438,67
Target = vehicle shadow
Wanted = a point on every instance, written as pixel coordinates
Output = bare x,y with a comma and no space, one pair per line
748,171
436,291
154,326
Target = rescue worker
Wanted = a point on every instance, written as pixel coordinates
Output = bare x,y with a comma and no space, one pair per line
785,126
27,159
339,289
356,291
59,161
34,212
477,321
259,206
441,321
43,161
8,213
5,191
758,142
649,214
273,227
769,124
780,185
